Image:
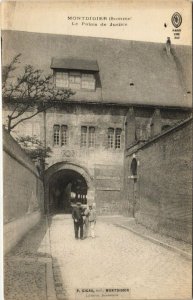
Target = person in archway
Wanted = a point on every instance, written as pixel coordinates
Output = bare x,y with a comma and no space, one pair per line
77,215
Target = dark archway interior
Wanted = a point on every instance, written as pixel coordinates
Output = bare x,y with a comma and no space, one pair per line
65,188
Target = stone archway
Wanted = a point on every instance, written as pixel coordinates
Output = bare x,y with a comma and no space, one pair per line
64,183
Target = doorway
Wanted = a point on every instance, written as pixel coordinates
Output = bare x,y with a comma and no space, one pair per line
65,188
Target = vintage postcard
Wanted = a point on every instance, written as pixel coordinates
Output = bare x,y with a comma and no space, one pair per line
97,149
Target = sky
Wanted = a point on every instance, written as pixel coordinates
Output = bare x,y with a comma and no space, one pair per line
148,20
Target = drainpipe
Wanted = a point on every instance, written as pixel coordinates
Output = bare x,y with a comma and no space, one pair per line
46,208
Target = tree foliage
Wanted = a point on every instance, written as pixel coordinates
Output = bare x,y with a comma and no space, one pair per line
31,91
35,149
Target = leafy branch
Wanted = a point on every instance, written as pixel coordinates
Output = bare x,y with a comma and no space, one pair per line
30,92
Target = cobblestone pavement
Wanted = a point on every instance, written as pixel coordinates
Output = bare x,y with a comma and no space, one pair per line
25,266
130,223
24,279
116,258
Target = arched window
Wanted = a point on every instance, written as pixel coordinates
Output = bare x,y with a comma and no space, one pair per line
134,167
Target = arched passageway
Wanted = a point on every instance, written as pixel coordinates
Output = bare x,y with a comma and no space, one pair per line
66,187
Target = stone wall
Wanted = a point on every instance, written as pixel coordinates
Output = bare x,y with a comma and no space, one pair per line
22,190
101,162
104,164
160,196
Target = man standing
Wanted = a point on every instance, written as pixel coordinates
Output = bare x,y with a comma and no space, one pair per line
77,215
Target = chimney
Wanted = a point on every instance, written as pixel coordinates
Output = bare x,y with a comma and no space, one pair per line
168,45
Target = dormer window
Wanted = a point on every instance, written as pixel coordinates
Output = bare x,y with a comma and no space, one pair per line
75,80
75,74
61,79
88,81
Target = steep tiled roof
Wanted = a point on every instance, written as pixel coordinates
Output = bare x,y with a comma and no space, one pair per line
131,72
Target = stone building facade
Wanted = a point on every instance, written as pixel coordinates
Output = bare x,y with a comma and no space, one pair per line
126,93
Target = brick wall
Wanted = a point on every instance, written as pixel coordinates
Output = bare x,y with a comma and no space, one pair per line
163,195
23,192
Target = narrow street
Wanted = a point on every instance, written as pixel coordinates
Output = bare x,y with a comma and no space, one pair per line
115,259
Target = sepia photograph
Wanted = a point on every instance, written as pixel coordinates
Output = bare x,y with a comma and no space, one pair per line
97,149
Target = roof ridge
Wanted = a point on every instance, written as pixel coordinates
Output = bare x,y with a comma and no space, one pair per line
95,37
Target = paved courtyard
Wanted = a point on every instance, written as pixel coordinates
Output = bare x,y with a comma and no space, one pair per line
116,258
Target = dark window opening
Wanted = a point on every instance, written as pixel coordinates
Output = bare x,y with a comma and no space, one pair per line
114,138
118,138
134,167
60,135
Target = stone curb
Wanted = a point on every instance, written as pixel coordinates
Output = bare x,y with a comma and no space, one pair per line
50,286
167,246
51,293
50,283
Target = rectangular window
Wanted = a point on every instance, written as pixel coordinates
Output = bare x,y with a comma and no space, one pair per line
83,136
88,81
91,138
110,137
64,135
56,134
74,80
61,79
117,138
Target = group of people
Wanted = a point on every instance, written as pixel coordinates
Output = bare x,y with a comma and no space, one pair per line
84,221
